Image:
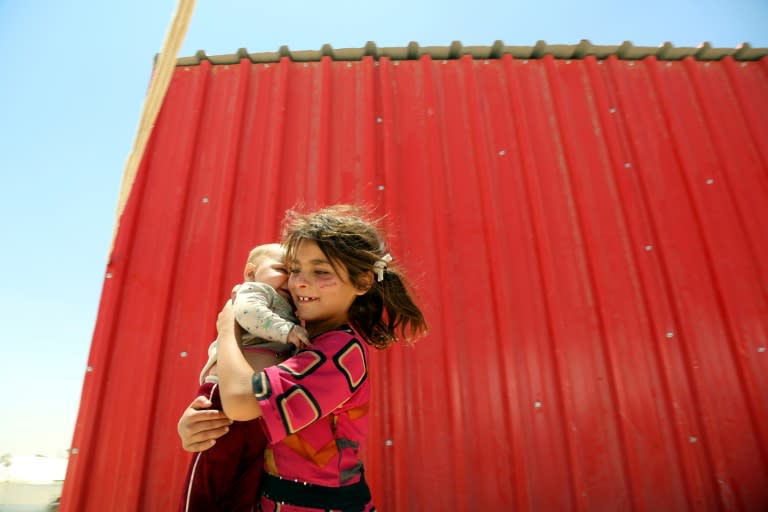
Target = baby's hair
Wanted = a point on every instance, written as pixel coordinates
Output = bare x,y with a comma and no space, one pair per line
348,238
264,250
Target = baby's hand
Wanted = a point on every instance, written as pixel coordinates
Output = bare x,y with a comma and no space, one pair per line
298,336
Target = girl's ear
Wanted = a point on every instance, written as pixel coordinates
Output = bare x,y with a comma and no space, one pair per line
366,282
248,272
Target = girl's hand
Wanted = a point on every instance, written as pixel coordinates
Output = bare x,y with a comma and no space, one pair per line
226,325
199,427
235,374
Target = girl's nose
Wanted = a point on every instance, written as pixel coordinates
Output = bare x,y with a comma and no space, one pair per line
298,279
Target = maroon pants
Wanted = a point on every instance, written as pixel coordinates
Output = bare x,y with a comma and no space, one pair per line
227,476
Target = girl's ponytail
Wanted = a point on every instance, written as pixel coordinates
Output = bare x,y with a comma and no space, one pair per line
387,313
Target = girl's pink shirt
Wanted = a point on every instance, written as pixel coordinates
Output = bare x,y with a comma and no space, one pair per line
315,407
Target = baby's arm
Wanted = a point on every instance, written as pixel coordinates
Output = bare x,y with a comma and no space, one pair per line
211,361
298,336
253,309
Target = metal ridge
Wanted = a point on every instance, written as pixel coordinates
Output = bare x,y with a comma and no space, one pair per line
624,51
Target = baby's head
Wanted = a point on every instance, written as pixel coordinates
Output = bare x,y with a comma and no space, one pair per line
265,265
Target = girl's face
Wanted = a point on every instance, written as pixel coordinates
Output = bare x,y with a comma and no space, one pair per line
321,294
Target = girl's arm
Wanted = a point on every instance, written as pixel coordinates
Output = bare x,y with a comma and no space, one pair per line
235,374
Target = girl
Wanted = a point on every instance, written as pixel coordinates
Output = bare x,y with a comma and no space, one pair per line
314,405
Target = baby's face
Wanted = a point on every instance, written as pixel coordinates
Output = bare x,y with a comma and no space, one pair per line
270,269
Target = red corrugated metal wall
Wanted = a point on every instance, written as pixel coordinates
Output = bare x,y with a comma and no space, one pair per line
589,240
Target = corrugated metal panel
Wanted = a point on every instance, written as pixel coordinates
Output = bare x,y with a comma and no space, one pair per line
588,238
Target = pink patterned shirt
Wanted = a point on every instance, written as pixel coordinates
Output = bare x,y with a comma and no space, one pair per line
315,407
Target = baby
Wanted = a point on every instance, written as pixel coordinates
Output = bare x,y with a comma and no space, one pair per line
262,308
227,477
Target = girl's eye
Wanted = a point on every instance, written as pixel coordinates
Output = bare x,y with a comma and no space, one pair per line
294,270
321,272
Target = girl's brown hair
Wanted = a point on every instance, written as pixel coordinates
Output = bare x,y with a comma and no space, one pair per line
347,237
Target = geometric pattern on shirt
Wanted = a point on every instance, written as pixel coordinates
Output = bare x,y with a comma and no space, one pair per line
319,457
298,409
306,362
348,474
322,456
350,360
270,465
261,386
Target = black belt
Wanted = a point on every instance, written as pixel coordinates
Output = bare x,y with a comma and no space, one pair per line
350,498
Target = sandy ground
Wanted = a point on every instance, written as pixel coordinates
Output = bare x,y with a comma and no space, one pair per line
23,497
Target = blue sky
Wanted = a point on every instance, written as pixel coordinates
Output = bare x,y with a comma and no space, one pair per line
72,85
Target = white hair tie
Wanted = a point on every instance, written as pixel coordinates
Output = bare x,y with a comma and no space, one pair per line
380,266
